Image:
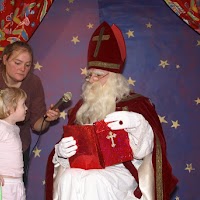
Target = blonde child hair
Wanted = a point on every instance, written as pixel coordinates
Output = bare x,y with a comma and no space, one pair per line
9,98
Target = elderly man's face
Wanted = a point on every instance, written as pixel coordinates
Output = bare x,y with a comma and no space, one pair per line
95,75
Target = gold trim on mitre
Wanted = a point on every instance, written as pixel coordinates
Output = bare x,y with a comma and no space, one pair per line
159,179
103,65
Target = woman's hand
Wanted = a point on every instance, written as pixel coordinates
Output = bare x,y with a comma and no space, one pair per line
52,115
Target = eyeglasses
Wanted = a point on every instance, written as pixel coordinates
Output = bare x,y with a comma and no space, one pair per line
96,77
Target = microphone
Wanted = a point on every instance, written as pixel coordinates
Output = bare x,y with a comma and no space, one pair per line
64,99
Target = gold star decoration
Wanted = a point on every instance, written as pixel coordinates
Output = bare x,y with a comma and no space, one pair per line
198,42
177,198
90,26
163,63
178,66
75,39
175,124
130,33
67,9
162,119
38,66
63,114
131,81
84,71
12,2
197,101
43,182
149,25
1,48
71,1
189,167
37,151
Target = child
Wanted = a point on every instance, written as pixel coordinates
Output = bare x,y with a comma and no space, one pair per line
12,110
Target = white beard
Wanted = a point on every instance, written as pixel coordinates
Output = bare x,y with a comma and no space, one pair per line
98,102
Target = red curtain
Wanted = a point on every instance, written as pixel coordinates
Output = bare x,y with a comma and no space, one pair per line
20,18
188,10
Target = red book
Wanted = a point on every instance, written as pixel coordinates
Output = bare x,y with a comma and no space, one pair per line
98,146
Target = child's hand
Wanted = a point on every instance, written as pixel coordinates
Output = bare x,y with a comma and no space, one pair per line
1,181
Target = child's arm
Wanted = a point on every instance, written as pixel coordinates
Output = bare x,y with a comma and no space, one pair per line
1,181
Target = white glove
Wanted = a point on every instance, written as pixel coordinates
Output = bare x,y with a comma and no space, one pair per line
66,147
123,120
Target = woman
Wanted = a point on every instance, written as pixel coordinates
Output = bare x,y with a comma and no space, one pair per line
16,71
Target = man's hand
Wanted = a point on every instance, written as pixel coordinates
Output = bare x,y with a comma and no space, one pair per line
67,147
122,120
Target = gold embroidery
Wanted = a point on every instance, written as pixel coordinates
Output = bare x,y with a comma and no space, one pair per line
159,180
103,65
104,37
132,96
99,42
125,108
111,137
1,92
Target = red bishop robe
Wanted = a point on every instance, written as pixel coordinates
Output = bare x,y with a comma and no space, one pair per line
165,181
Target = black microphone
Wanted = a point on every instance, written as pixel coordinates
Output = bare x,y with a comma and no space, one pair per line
64,99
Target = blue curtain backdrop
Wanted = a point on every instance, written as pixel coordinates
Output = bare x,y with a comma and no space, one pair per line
162,63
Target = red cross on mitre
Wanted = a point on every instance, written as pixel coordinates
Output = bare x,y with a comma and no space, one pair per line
107,50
